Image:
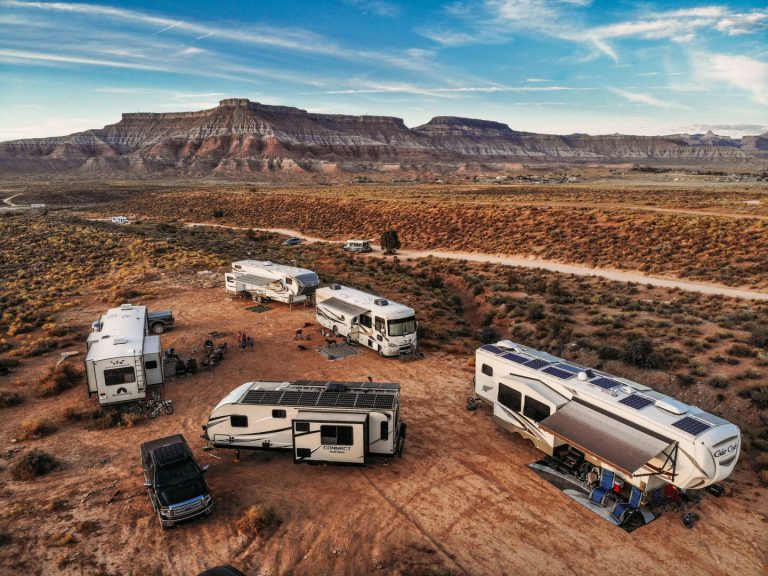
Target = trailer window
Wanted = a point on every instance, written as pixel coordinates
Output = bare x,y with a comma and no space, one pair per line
278,414
238,421
487,370
510,398
302,426
535,410
379,324
289,281
117,376
384,430
150,365
402,327
336,435
365,320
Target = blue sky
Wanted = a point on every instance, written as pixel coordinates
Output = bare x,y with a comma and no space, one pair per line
545,66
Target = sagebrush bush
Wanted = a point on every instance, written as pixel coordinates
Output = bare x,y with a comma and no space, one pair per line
258,519
33,464
60,378
36,426
10,399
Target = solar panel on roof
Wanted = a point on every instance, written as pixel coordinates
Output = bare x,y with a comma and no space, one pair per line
346,400
291,397
492,349
558,372
384,401
536,363
691,425
605,383
366,400
569,368
515,358
309,398
271,396
253,397
327,399
636,401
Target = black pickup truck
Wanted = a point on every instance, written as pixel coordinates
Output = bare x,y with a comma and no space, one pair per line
174,480
160,320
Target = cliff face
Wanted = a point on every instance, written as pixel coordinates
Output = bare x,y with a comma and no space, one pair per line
243,136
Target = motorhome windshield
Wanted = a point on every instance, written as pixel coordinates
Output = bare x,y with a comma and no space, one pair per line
402,327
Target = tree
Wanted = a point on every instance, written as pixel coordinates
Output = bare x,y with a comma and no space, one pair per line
390,243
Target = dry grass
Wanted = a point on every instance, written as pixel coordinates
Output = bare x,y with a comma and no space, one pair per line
36,427
60,378
10,399
258,520
33,464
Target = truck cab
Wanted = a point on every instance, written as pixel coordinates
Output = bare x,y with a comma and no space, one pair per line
174,480
160,320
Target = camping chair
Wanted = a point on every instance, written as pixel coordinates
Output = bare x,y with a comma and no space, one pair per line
623,510
600,492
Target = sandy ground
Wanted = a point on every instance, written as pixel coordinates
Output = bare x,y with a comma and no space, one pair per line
461,499
529,262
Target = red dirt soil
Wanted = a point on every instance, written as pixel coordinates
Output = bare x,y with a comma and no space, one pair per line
461,500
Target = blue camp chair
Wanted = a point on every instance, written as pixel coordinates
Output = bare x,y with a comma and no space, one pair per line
622,510
600,492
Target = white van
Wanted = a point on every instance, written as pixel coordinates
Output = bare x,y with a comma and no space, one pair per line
358,246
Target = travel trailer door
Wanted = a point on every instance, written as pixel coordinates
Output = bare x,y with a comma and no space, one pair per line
340,438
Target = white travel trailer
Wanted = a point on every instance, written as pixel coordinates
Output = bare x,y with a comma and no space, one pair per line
270,281
122,360
358,246
333,422
119,220
380,324
645,437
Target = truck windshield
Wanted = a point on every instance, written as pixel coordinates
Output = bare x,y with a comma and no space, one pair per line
402,327
177,473
180,493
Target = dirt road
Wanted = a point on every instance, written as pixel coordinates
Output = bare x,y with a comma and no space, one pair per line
462,498
527,262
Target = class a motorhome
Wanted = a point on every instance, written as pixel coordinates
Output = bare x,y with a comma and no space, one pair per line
375,322
319,421
645,437
122,360
265,280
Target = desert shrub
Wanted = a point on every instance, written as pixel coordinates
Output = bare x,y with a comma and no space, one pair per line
488,334
685,380
390,242
741,351
718,381
258,519
35,427
609,353
758,336
757,394
535,311
60,378
639,351
10,399
33,464
5,538
103,418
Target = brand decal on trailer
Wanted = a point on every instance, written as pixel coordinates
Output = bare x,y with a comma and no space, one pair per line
724,451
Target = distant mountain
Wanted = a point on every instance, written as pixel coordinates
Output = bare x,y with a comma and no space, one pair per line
241,137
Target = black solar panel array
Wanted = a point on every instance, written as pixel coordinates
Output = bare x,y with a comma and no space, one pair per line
636,401
693,426
536,363
492,349
605,383
384,399
516,358
558,372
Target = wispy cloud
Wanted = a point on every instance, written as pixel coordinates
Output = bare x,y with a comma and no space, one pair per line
378,7
647,99
168,27
738,71
367,87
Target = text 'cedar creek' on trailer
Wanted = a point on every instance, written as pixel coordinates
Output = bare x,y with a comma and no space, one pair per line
334,422
264,280
375,322
647,438
122,360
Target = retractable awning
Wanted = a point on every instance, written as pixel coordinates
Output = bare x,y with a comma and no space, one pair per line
342,307
617,442
253,280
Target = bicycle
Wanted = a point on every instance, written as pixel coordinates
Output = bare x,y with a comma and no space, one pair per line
160,406
149,403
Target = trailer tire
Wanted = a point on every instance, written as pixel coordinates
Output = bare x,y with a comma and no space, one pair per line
335,330
158,328
381,351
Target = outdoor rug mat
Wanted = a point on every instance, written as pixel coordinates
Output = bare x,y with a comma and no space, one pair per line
579,492
259,308
338,351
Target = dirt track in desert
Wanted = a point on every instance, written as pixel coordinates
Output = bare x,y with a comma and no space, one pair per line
462,499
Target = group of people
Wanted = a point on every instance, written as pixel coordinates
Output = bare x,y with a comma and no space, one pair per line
244,341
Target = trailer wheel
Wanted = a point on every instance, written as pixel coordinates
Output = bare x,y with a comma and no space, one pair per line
158,328
381,351
335,330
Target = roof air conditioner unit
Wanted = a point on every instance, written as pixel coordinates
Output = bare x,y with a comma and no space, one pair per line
380,302
335,286
126,307
120,341
267,263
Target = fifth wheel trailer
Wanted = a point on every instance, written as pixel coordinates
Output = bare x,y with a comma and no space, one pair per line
645,437
375,322
319,421
265,280
122,360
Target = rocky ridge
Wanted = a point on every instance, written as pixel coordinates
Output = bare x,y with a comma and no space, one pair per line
240,137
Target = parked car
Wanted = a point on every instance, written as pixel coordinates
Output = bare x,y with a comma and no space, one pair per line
160,320
174,480
292,242
357,246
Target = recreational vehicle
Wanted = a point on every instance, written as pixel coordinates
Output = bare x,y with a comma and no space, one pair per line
645,437
270,281
357,246
119,220
380,324
122,360
333,422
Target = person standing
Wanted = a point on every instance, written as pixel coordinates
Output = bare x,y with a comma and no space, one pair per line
243,343
250,342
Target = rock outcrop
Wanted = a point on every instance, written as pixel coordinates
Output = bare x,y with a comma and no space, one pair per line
240,136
